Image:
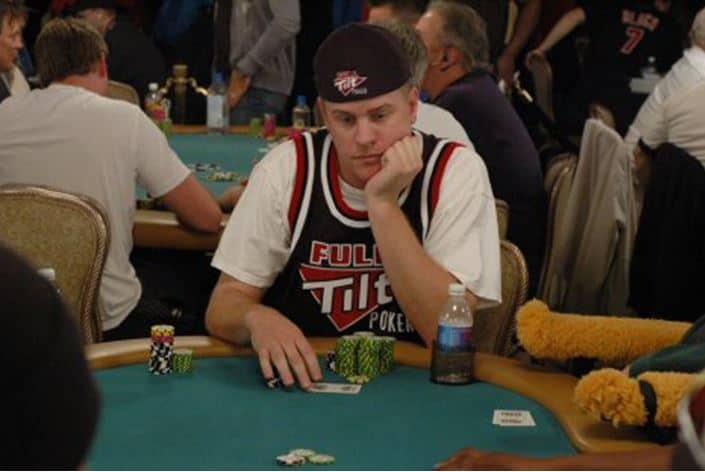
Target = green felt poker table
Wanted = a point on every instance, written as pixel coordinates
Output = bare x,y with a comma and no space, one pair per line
222,416
234,152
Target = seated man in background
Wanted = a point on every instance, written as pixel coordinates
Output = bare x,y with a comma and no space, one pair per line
674,111
133,58
70,137
12,20
456,79
361,226
49,400
430,119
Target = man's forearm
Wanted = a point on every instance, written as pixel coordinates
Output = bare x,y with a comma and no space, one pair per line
420,284
562,28
525,25
284,26
226,313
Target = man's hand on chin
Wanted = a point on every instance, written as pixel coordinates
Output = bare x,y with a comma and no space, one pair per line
400,164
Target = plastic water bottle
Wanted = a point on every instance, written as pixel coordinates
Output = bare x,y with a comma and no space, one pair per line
49,274
152,100
301,114
650,70
218,112
453,350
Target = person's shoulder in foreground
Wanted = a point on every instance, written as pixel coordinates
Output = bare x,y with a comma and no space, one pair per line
49,400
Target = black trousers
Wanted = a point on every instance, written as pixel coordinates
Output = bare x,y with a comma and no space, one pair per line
176,288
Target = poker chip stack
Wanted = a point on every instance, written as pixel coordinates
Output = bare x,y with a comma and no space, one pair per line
362,356
386,354
368,356
346,355
182,362
162,349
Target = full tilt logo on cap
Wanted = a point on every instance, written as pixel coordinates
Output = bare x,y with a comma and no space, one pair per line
347,281
348,81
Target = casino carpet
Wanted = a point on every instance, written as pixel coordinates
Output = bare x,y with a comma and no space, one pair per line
223,417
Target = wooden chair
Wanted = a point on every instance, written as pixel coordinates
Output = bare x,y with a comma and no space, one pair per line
121,91
560,191
502,209
555,169
603,114
494,327
67,232
542,75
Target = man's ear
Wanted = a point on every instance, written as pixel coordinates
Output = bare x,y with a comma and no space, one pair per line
451,57
102,68
413,97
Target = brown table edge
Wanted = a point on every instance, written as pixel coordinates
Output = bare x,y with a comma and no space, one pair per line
553,390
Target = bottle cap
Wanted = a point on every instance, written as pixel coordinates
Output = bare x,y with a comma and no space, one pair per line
456,289
153,86
48,273
301,99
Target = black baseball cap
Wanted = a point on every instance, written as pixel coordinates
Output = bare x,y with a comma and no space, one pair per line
359,61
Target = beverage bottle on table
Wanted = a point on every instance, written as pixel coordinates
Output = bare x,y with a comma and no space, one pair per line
218,112
650,71
152,100
49,274
453,350
301,114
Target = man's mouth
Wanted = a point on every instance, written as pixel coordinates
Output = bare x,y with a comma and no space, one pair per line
366,157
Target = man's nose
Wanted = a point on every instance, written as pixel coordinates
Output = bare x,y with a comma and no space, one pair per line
365,133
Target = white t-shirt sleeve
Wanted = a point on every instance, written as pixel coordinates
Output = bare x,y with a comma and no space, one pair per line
159,169
254,247
649,124
463,235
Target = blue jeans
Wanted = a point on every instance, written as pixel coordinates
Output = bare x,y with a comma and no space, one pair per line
255,103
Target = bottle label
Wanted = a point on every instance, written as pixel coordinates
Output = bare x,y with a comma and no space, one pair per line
215,111
454,337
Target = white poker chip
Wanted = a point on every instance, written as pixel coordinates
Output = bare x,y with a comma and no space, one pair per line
290,459
321,459
305,453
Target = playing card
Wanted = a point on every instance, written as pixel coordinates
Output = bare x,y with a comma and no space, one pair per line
344,388
513,418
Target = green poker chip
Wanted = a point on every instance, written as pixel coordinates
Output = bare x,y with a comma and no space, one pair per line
321,459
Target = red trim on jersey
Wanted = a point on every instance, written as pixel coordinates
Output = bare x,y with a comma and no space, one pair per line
299,180
334,181
441,164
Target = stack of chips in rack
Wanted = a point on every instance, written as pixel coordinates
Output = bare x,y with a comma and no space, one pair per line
363,356
162,349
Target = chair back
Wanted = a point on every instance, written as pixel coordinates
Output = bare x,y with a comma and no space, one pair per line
542,76
602,113
121,91
67,232
555,169
494,327
560,192
502,209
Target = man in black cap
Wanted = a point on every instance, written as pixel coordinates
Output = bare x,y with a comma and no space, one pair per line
361,226
133,57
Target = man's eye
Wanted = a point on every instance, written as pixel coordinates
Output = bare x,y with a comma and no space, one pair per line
379,116
347,120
